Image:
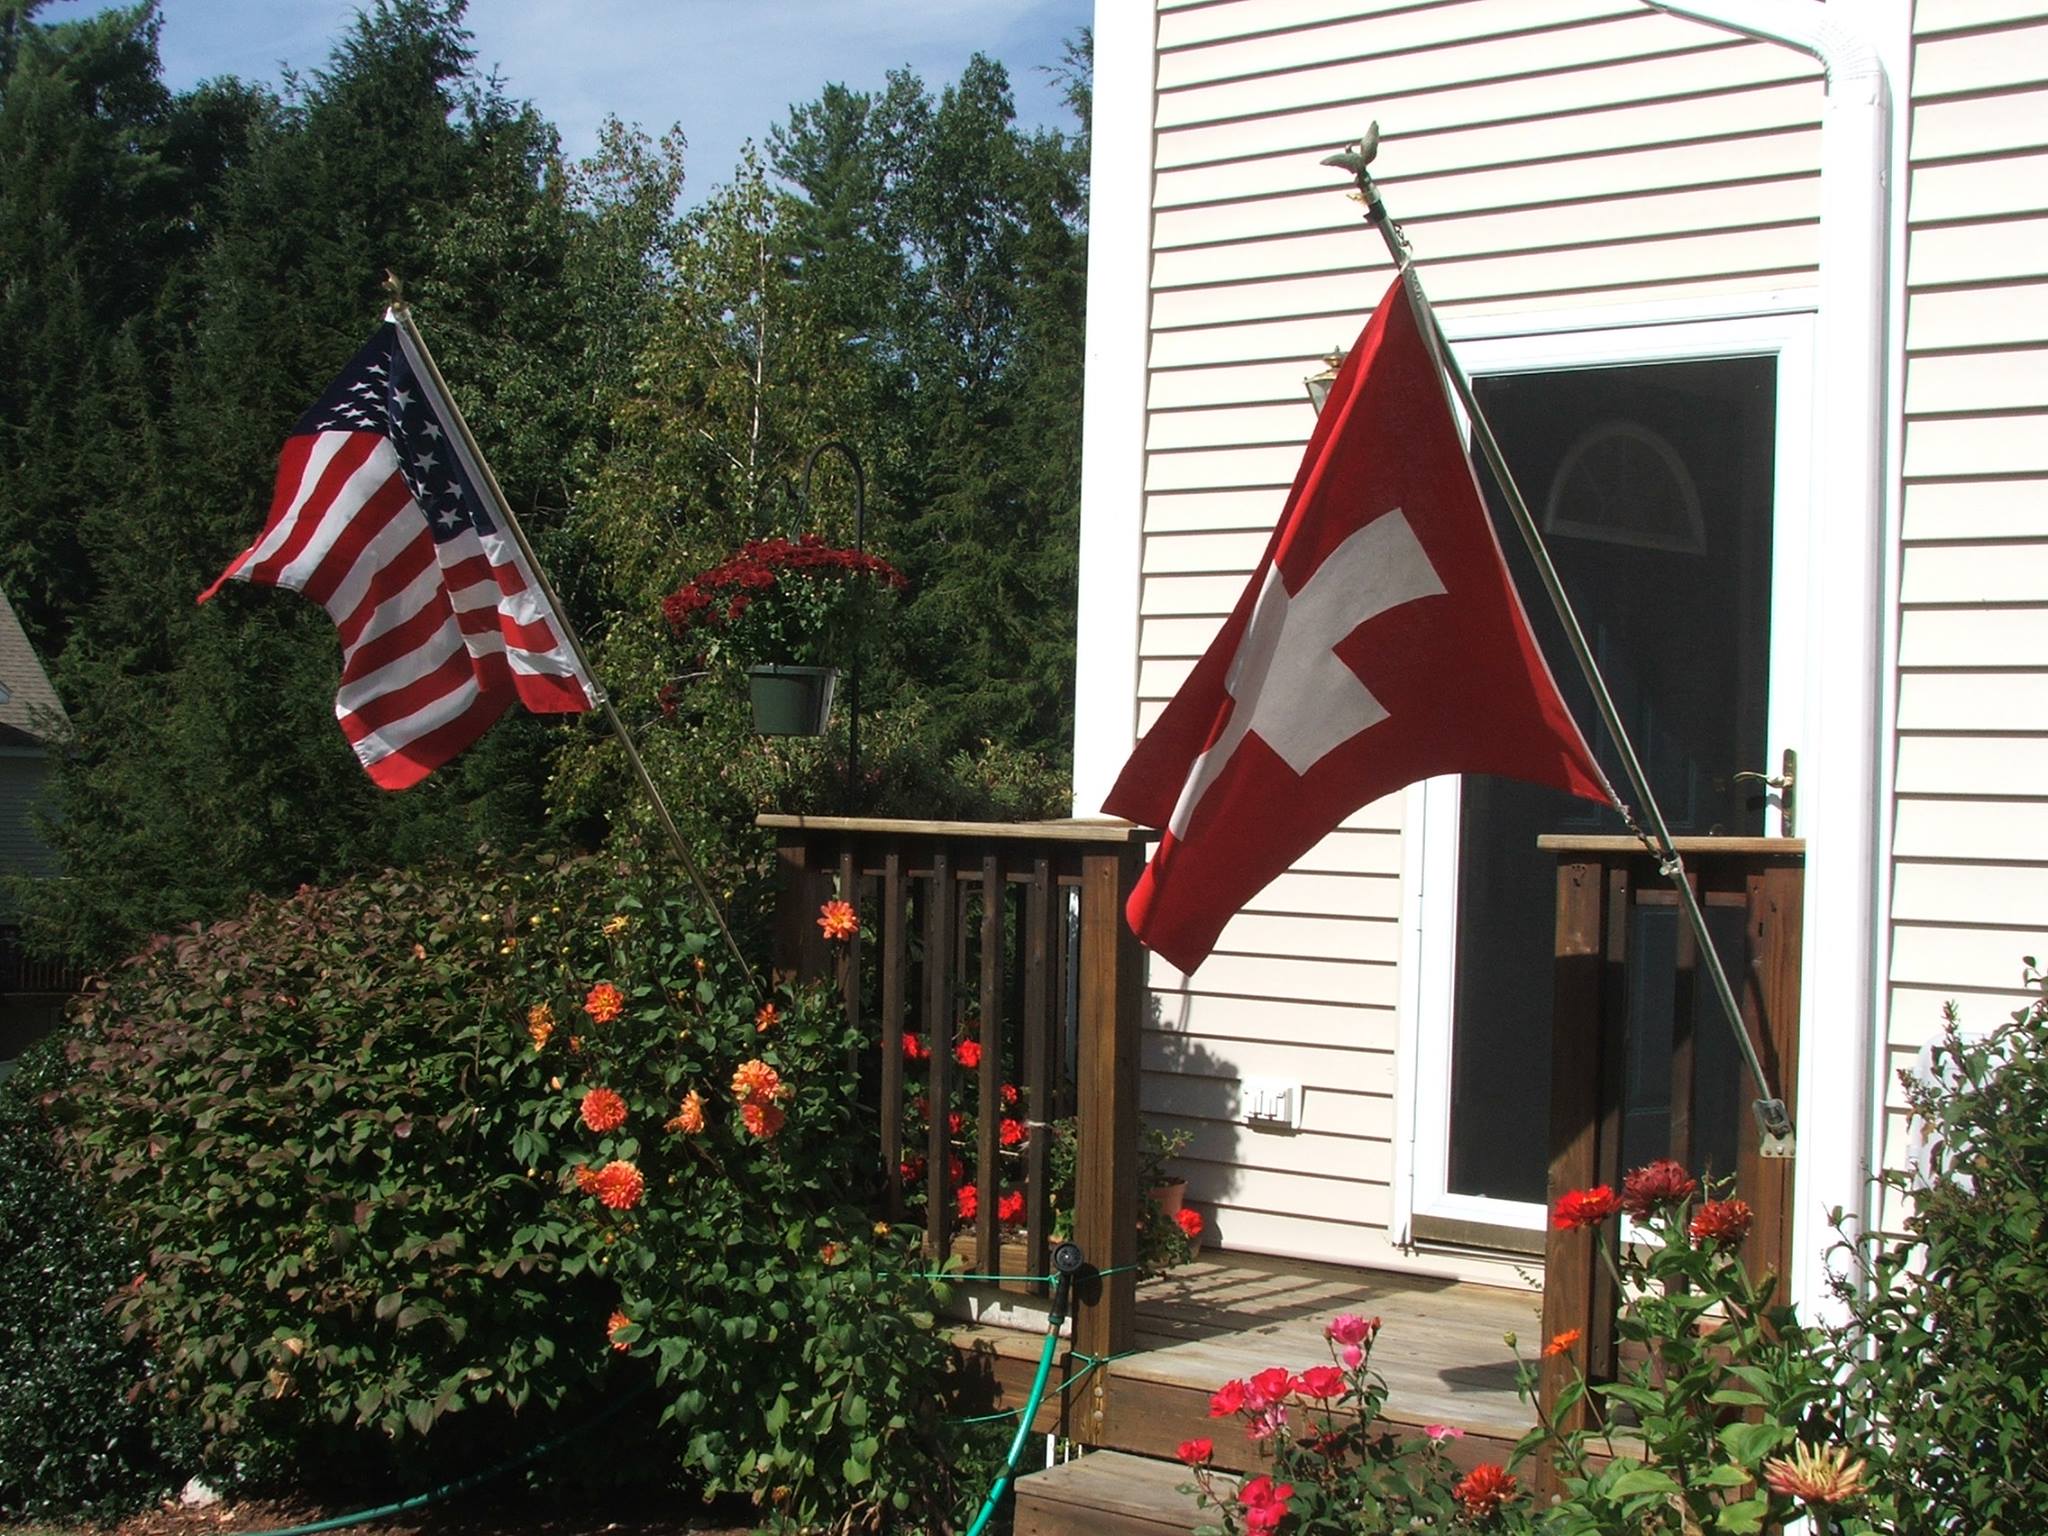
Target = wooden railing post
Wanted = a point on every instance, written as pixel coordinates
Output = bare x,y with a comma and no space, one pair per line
1112,994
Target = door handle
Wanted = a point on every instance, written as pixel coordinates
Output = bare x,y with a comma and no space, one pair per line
1787,786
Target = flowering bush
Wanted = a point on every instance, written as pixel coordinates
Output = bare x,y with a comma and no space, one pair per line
427,1169
780,600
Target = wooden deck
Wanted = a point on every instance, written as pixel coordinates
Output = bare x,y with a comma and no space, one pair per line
1440,1348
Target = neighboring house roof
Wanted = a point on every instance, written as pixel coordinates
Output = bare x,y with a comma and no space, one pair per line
28,704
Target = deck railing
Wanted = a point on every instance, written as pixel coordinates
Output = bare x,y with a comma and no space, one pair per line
1012,936
1606,888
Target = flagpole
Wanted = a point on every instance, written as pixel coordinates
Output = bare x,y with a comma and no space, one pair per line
1772,1118
401,314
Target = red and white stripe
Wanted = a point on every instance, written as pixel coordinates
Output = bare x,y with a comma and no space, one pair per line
437,639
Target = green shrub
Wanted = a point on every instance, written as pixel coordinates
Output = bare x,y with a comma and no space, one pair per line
1949,1340
76,1436
388,1208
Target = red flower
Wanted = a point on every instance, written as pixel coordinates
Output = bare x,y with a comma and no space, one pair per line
1663,1182
1560,1343
604,1002
956,1171
1269,1386
603,1110
1350,1328
838,921
1484,1489
1226,1400
765,1019
954,1122
1196,1452
1722,1221
1009,1094
912,1169
1265,1503
967,1202
1585,1208
617,1324
1011,1133
1190,1221
968,1054
914,1050
764,1120
619,1185
1010,1207
1323,1381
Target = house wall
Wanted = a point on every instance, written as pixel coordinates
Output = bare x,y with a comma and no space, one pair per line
1543,156
1970,841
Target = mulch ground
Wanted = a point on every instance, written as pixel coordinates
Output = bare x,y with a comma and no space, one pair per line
475,1516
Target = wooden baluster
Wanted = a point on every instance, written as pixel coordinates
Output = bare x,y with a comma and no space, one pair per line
1770,1009
938,1023
986,1230
1684,1065
1037,1024
891,922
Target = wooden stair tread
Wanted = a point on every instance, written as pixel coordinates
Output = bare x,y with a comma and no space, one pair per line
1107,1493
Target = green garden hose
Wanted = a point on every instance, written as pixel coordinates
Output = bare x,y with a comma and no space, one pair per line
1066,1262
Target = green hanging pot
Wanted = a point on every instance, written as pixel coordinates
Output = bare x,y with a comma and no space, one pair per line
791,701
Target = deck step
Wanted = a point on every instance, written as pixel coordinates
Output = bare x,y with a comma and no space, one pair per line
1108,1493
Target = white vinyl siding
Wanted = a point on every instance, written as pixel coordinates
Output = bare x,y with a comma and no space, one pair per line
1541,155
1970,838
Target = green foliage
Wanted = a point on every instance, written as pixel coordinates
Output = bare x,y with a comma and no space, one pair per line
78,1435
1948,1343
389,1227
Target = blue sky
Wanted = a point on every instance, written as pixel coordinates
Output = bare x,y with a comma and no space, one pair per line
724,70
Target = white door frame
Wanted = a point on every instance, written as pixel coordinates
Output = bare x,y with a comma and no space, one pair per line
1779,325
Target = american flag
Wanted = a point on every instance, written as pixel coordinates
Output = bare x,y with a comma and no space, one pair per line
379,517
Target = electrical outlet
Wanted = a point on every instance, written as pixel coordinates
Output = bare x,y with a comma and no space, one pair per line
1269,1102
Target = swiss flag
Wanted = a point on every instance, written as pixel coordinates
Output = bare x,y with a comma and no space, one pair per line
1379,642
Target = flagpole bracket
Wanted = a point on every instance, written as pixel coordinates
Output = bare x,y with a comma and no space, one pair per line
1774,1129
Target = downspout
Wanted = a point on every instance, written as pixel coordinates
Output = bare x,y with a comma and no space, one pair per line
1843,755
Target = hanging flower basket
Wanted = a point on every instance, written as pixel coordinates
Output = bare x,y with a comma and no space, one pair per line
791,701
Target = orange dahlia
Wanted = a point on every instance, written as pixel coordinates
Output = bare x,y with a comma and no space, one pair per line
766,1018
689,1120
619,1185
586,1180
604,1002
1560,1343
755,1082
617,1324
603,1110
540,1023
1721,1221
764,1120
838,921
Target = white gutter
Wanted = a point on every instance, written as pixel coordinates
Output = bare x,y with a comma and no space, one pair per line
1843,769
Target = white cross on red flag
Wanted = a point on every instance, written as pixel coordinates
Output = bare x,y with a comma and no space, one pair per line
1379,642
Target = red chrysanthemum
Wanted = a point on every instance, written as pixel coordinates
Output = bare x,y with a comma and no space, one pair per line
603,1110
619,1185
1190,1221
604,1002
838,921
1663,1182
1721,1221
1585,1208
967,1202
1010,1207
1011,1133
968,1054
1484,1489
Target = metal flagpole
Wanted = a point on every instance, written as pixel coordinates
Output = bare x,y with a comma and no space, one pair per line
401,314
1772,1118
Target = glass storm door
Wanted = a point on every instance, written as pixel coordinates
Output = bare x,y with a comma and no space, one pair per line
1656,484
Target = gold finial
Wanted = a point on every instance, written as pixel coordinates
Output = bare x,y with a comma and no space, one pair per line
394,290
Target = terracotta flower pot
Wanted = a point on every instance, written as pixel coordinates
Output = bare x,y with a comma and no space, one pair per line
1168,1197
